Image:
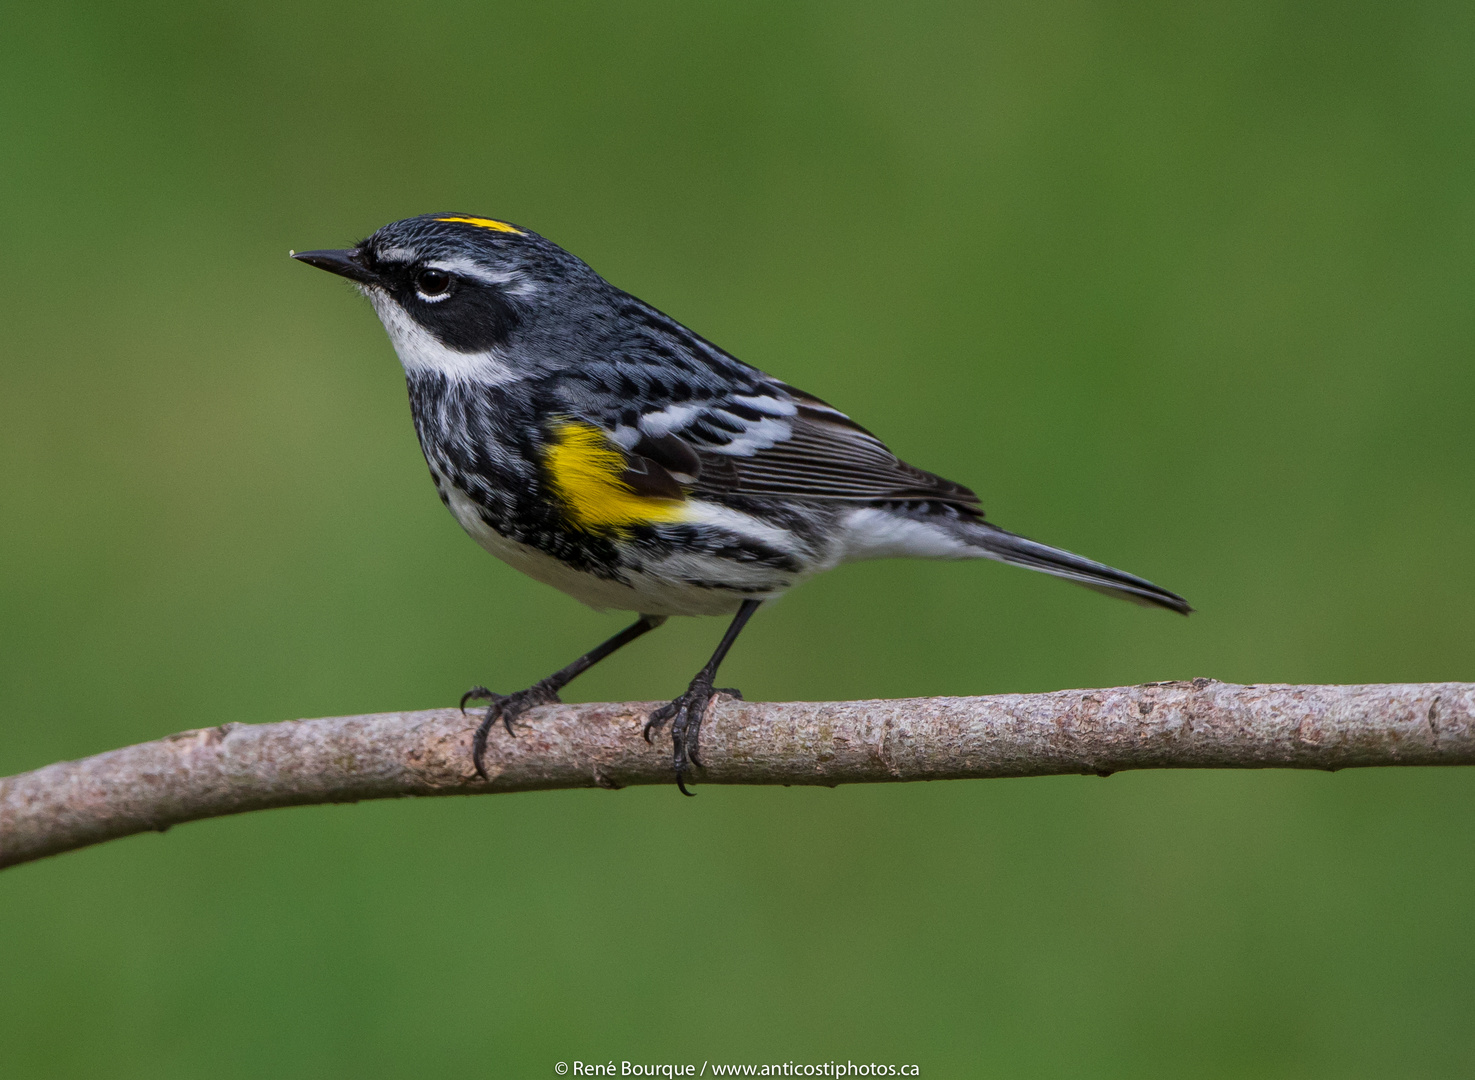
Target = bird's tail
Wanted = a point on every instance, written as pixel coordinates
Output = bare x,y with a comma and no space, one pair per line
995,543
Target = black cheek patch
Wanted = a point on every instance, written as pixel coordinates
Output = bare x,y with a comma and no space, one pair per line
474,318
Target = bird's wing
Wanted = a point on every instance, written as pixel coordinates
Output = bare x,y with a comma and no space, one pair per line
759,436
676,401
815,451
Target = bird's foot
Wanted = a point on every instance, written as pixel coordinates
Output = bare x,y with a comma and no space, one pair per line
686,714
506,708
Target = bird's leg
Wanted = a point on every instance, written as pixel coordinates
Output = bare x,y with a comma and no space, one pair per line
687,712
509,707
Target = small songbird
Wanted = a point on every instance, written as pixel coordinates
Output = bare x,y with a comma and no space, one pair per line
601,447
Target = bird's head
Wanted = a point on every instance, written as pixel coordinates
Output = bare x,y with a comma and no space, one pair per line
453,289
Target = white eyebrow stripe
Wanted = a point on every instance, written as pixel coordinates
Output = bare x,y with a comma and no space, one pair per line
510,281
467,268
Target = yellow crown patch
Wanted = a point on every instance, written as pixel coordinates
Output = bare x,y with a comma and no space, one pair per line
485,223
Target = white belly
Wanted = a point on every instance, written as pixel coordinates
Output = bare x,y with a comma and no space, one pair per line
648,591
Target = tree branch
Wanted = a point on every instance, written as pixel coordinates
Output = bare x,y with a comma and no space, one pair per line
1202,725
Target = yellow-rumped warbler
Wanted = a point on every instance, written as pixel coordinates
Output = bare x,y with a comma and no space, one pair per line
601,447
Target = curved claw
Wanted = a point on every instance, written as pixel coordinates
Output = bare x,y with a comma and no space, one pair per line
736,695
681,786
477,693
478,741
686,714
507,707
479,744
657,719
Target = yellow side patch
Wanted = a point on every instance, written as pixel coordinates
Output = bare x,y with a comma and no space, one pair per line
584,470
485,223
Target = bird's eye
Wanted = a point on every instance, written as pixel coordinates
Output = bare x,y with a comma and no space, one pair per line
431,283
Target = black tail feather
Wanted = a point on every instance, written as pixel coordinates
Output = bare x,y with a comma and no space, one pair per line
996,543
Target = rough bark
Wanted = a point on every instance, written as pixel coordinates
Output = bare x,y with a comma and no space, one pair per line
1201,724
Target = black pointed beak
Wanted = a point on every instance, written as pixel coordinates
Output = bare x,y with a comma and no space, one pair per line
343,263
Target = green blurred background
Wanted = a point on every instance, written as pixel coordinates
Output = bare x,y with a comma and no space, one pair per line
1184,287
